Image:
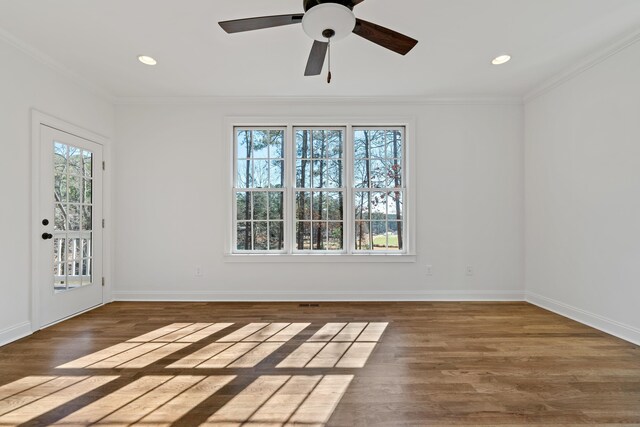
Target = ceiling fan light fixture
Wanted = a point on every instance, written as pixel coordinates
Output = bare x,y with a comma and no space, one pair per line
502,59
328,16
147,60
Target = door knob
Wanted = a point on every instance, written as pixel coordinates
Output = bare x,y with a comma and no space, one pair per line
47,236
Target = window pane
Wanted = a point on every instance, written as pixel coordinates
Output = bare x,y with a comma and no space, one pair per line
376,144
335,144
87,163
395,235
60,188
244,236
361,145
303,174
319,236
276,147
260,236
73,213
244,144
75,189
303,205
276,235
276,205
260,144
333,174
243,205
60,218
319,144
335,236
260,174
75,161
319,173
87,218
394,175
260,206
276,174
303,144
245,175
87,190
379,234
361,173
394,201
394,144
363,205
303,235
378,174
362,236
60,158
319,206
334,206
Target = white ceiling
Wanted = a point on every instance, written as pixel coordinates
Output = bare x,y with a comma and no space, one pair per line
100,40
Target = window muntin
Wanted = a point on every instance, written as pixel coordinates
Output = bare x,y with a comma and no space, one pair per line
312,189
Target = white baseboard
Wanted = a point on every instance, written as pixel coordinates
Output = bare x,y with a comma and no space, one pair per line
617,329
317,296
15,332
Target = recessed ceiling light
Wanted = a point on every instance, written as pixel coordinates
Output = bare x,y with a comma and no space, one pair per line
502,59
147,60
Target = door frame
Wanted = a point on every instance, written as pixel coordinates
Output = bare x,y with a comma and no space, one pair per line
38,118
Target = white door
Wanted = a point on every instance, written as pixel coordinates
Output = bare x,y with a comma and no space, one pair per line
70,244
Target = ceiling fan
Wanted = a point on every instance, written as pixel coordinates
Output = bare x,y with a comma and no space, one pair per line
325,21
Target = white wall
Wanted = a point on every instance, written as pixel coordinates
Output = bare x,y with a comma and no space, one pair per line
583,196
26,83
170,218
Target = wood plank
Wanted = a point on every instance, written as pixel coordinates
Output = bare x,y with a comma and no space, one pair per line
256,355
239,409
302,355
350,332
373,331
126,356
196,358
157,333
96,411
98,356
329,355
282,405
54,400
181,333
153,356
357,355
289,332
327,332
322,401
243,332
267,332
228,356
204,333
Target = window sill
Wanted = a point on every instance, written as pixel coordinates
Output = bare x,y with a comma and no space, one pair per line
319,258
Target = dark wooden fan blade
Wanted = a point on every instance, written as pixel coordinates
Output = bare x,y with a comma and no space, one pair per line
316,58
356,2
384,37
249,24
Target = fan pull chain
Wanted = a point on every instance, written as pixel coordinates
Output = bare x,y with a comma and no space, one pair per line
329,75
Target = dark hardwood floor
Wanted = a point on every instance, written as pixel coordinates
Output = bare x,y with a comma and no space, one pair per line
339,364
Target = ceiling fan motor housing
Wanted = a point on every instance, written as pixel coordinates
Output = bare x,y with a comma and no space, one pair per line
308,4
328,18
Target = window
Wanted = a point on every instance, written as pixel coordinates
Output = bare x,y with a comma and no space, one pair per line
333,190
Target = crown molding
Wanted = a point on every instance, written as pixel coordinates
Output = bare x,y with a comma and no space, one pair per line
590,61
54,65
302,100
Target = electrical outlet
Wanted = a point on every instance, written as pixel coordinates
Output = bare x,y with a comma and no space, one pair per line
429,270
198,271
469,270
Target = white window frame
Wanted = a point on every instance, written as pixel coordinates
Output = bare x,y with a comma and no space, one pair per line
348,254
